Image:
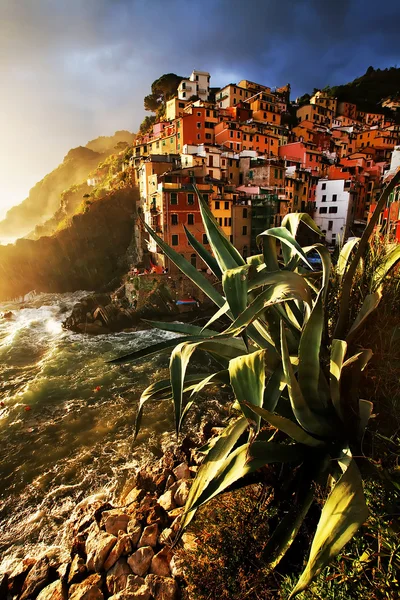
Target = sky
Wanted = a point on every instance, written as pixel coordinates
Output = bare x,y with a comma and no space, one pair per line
71,70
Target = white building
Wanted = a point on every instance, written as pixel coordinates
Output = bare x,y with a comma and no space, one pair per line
334,208
394,162
198,84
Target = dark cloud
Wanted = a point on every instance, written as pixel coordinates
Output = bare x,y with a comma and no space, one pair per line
74,70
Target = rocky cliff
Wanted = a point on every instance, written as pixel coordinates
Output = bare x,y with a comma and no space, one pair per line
46,197
86,255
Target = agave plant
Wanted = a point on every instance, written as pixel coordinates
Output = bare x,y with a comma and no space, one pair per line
284,370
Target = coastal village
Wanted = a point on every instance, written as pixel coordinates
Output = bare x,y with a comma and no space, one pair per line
253,163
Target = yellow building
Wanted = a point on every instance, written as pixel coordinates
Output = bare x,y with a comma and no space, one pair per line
174,108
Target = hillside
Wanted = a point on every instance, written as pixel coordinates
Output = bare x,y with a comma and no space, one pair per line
87,254
368,90
45,198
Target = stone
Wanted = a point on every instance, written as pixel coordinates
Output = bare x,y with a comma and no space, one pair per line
182,493
189,542
166,536
140,560
54,591
98,546
37,578
142,593
135,495
182,471
117,576
77,570
89,589
157,514
3,585
149,536
170,481
114,521
162,588
135,531
18,574
167,500
123,546
176,566
160,562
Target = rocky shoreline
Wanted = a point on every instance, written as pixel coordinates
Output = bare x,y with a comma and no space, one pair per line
122,549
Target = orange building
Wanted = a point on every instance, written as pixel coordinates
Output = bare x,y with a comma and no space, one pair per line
238,137
196,126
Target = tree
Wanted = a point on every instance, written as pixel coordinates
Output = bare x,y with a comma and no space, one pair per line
147,123
162,89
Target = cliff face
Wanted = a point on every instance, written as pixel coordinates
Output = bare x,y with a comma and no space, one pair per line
86,255
46,196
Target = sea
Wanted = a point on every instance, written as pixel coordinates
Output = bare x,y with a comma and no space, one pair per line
66,418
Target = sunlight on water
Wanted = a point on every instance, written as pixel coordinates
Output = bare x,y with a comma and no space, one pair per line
66,418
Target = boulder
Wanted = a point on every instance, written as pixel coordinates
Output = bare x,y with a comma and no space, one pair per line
37,578
167,500
123,546
142,593
166,536
176,566
140,560
149,536
114,520
182,471
18,574
157,514
54,591
134,529
77,570
160,564
135,495
182,493
117,576
3,585
89,589
98,546
162,588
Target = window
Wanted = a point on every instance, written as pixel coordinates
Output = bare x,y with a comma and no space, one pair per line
184,94
276,173
333,209
220,221
208,136
323,186
226,205
199,114
181,105
334,197
244,231
245,213
205,240
231,133
174,198
324,198
174,219
323,210
198,125
217,205
330,225
190,198
205,197
193,259
190,219
175,240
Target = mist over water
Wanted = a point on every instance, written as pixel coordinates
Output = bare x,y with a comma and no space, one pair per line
66,418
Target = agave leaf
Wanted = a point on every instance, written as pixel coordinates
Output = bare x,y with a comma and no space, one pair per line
204,254
221,377
184,328
338,352
285,289
234,282
309,357
225,253
391,259
245,460
263,278
370,303
270,254
343,260
247,375
344,512
211,465
224,310
274,388
292,221
365,412
286,425
180,357
154,349
161,390
288,241
256,260
188,269
326,267
313,423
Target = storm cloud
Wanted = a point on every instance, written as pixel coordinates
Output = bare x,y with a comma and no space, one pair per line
72,70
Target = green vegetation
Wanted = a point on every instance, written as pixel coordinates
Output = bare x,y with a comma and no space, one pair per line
294,370
162,89
368,90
